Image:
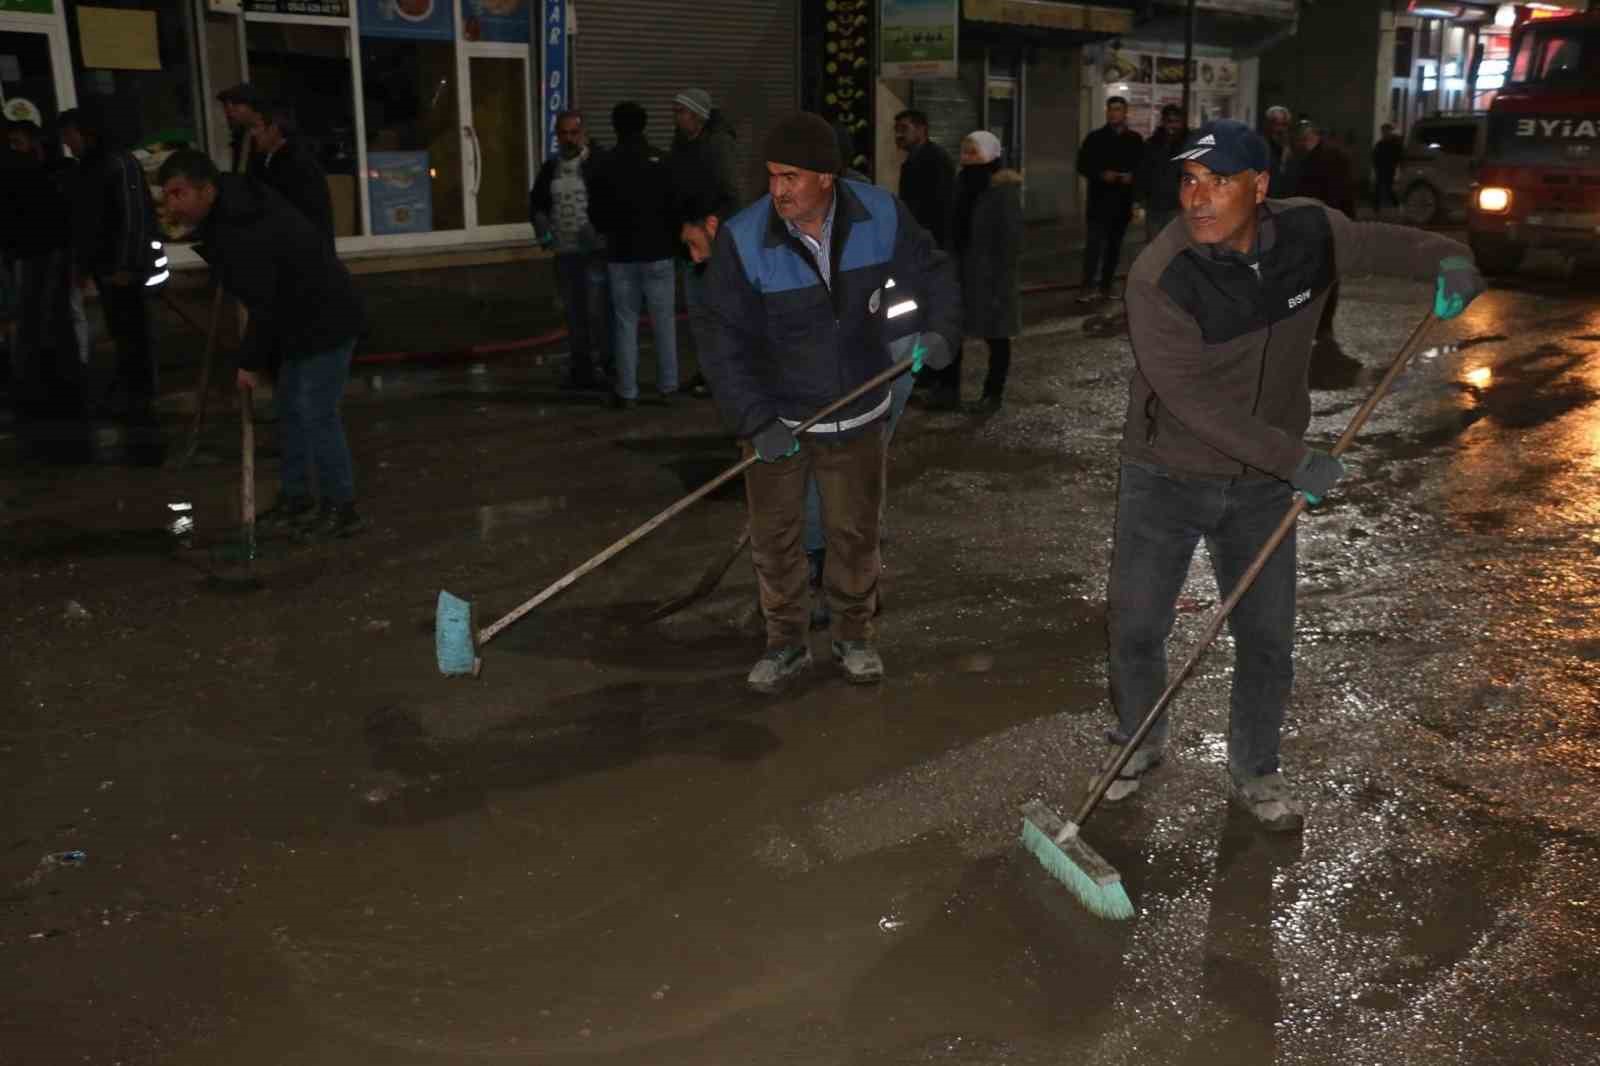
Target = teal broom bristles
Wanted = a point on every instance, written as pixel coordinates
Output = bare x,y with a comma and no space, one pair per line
1076,865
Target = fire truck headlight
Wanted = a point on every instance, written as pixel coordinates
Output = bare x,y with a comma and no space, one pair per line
1494,199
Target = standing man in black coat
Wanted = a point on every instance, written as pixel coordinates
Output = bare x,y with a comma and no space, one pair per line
303,310
114,243
1386,156
927,177
289,166
1159,173
1108,160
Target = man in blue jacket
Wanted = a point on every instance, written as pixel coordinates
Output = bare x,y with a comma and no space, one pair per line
802,298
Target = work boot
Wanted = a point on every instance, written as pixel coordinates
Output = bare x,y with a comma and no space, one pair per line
1270,800
861,662
286,515
821,616
335,522
1126,783
945,398
778,667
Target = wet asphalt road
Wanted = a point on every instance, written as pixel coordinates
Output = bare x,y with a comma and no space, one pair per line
301,845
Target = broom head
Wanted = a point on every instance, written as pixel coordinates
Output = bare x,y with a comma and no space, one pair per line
1075,864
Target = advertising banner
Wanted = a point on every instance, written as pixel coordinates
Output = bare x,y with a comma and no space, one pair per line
36,7
553,35
426,20
917,38
400,191
504,21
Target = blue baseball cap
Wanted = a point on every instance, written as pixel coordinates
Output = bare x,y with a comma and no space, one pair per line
1226,146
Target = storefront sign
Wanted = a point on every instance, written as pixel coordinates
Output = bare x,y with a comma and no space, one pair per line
553,31
496,20
1150,82
1275,9
114,39
426,20
917,38
401,192
38,7
1051,16
327,8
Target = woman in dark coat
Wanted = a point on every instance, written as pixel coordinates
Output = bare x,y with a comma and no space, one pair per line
987,239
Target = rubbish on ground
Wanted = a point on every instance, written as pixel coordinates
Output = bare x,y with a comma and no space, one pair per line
75,612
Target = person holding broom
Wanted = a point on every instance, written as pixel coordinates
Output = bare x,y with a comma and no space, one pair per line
1223,311
801,290
303,309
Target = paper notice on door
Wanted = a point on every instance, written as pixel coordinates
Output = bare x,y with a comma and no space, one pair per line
10,69
116,39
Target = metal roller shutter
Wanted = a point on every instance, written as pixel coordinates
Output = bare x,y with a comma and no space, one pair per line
745,53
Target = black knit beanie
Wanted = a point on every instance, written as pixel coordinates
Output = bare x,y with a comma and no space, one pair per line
806,141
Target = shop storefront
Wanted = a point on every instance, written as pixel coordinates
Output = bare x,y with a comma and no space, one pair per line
426,114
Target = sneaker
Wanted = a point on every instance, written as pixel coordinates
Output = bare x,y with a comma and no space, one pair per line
1126,783
989,404
286,515
335,523
622,403
1270,800
1090,296
861,662
698,387
778,667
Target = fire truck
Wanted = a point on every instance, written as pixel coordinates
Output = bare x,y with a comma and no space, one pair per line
1539,184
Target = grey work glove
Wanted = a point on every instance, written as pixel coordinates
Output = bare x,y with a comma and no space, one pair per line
774,442
932,352
1315,475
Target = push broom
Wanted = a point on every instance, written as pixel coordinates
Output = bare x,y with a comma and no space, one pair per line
457,640
1057,844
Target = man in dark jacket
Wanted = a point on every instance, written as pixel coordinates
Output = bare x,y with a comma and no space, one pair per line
303,310
558,204
244,109
1222,311
1323,172
1386,156
1107,160
807,286
630,202
927,177
290,167
46,355
115,239
1159,173
1279,133
705,182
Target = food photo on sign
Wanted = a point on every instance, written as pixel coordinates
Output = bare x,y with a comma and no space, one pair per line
503,21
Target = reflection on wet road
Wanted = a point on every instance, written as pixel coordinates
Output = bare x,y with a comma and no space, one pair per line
605,851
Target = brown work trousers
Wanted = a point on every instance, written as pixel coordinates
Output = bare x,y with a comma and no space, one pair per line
850,481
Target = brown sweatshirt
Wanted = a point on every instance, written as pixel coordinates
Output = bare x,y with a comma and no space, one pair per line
1222,341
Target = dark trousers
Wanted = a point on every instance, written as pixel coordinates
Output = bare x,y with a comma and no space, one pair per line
586,292
47,369
127,311
1102,250
310,431
994,382
1383,190
849,478
1161,516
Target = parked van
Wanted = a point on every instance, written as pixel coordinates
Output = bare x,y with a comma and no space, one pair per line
1440,164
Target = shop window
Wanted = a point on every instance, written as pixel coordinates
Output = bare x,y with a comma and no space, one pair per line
148,106
413,124
308,67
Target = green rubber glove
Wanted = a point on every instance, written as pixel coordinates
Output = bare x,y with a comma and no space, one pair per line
916,355
1458,284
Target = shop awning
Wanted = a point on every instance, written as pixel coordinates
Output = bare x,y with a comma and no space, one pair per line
1095,20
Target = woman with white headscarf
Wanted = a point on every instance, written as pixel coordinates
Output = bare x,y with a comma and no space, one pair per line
986,237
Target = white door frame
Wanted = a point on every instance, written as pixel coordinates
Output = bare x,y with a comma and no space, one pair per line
471,148
54,28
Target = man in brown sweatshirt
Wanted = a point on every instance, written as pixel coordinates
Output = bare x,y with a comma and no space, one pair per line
1223,311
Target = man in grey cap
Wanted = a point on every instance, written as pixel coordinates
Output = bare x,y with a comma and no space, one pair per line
705,181
806,288
1223,308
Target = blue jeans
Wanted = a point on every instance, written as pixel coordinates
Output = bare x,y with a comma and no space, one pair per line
310,431
814,541
1161,516
586,292
636,287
